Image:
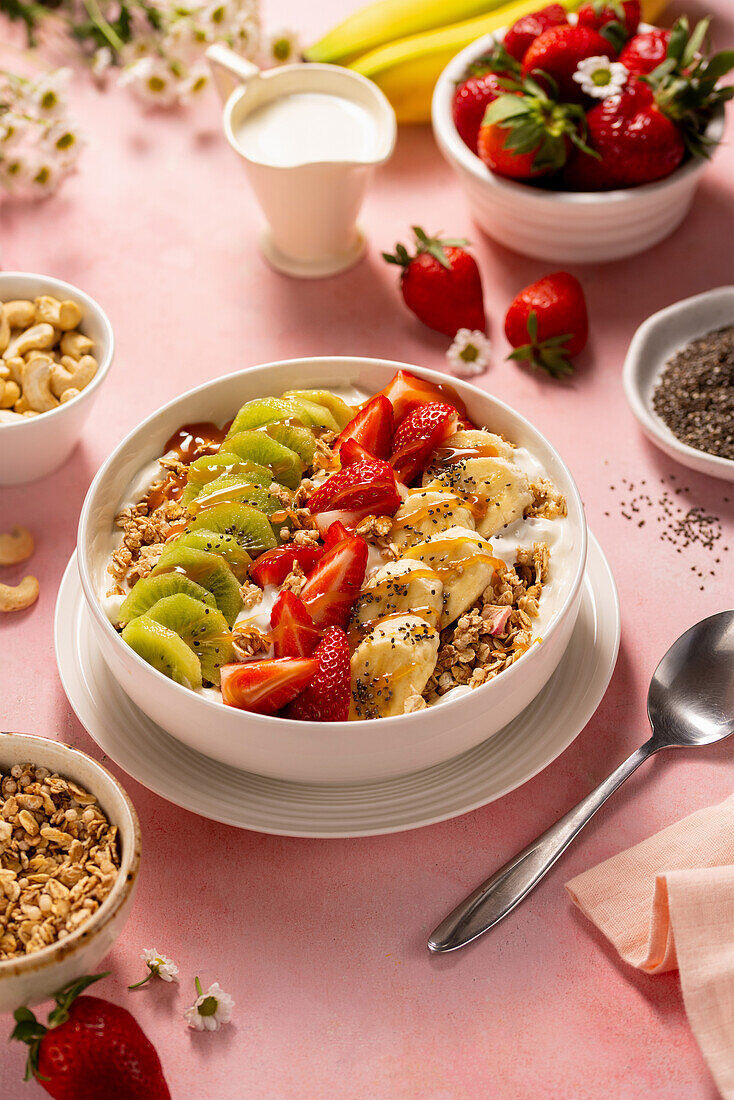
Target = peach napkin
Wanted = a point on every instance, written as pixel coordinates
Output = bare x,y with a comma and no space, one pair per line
669,902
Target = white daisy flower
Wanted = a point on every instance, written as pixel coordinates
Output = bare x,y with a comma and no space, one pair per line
599,77
49,93
469,353
152,81
210,1010
101,62
282,48
159,966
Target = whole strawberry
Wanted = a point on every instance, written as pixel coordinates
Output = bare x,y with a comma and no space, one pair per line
599,13
557,52
526,29
645,51
327,697
91,1050
441,283
637,143
526,134
547,323
471,100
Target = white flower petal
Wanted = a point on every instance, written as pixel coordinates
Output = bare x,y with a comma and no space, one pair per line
469,353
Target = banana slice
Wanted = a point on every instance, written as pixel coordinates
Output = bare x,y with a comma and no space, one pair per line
465,563
486,443
426,511
393,662
498,484
400,587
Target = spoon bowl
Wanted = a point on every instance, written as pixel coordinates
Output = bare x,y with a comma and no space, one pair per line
691,696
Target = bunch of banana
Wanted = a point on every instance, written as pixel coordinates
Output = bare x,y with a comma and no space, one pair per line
403,45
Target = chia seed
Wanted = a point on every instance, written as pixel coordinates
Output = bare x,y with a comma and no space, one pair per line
695,393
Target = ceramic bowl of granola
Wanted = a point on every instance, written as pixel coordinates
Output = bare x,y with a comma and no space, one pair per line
56,347
69,861
364,616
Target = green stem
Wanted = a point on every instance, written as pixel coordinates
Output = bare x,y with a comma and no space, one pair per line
142,981
199,990
103,26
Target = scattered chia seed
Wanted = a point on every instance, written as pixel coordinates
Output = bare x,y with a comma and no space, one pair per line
695,393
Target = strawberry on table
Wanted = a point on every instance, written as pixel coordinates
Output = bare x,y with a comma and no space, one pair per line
417,437
556,54
599,13
440,283
263,687
645,51
273,566
331,590
372,428
90,1049
327,697
526,134
292,630
547,323
527,28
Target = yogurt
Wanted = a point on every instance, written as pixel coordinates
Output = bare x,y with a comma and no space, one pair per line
307,127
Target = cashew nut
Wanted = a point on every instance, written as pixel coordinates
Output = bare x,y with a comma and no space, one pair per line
4,329
9,394
64,315
75,344
18,597
67,395
15,546
36,384
22,406
36,337
9,417
72,374
15,368
20,313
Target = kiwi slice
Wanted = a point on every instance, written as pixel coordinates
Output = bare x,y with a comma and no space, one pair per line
148,590
254,414
209,467
300,440
339,409
204,630
231,488
162,648
243,522
209,570
238,560
312,414
286,466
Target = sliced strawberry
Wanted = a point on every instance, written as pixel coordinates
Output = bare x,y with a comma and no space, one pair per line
337,532
417,437
366,484
351,451
291,627
327,697
334,585
273,566
406,392
372,427
265,686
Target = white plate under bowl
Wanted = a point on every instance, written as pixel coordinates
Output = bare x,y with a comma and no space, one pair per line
656,340
197,783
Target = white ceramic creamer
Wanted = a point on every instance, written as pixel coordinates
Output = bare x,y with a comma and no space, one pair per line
310,137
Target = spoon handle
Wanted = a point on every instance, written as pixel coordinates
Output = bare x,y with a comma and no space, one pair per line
499,895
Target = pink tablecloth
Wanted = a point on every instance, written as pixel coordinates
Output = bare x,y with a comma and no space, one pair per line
322,944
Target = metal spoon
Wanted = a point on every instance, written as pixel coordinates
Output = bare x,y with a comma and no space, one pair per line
690,703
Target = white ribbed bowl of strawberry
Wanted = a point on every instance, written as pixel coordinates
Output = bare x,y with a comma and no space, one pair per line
595,164
338,658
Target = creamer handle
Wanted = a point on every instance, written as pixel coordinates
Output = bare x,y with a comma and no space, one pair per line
229,70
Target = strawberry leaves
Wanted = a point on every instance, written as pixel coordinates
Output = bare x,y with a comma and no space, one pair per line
28,1029
549,355
433,246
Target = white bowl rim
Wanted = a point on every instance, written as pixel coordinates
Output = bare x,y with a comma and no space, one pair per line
124,883
648,419
85,522
74,292
447,133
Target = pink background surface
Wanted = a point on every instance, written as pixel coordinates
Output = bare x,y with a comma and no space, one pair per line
322,943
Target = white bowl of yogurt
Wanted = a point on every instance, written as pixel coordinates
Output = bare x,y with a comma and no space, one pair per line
333,752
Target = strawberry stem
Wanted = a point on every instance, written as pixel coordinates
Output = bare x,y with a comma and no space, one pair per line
548,355
434,246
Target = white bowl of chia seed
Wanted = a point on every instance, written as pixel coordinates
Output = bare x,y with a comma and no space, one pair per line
679,381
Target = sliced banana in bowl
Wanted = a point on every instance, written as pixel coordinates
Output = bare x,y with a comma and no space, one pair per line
426,511
392,663
465,563
400,587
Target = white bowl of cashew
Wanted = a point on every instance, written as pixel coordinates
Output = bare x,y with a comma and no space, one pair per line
33,446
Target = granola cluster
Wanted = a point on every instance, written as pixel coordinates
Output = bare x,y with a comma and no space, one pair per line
485,640
143,536
58,858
